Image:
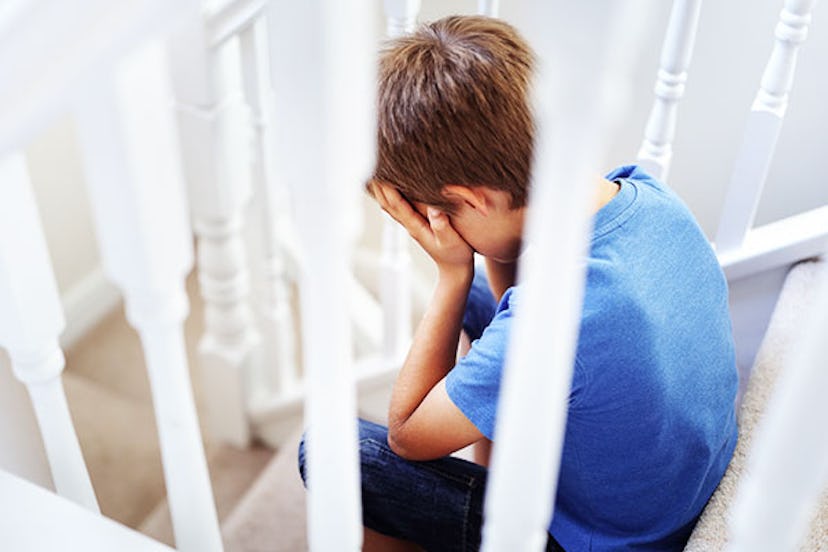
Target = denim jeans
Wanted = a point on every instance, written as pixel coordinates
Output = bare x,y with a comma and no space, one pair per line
437,504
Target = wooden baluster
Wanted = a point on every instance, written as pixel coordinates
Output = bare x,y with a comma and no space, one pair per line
763,127
217,139
280,337
657,148
788,464
132,160
488,7
537,378
31,319
395,260
322,63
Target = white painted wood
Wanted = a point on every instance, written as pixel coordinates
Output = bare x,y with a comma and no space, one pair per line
324,89
38,520
217,142
657,148
395,260
231,19
279,330
89,34
575,93
401,16
86,304
779,243
31,319
132,161
488,7
763,127
788,462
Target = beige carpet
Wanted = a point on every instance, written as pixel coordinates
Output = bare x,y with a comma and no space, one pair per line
109,398
711,533
271,517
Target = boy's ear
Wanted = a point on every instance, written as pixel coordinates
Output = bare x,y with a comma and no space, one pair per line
475,197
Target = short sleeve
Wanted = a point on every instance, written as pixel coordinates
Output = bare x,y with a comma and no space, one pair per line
473,385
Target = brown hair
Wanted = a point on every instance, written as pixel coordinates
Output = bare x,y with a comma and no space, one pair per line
453,108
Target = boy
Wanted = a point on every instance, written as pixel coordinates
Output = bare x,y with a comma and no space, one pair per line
651,424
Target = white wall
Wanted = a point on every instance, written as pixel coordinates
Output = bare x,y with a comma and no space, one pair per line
57,178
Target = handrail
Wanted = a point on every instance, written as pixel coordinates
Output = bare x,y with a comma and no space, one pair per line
33,518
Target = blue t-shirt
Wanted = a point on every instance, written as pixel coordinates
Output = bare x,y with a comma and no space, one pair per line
651,424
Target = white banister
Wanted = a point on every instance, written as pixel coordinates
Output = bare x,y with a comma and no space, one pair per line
130,146
576,92
395,260
488,7
401,16
788,462
279,331
763,127
656,150
324,85
31,319
216,141
33,519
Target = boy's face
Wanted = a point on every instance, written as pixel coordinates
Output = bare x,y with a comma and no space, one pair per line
484,219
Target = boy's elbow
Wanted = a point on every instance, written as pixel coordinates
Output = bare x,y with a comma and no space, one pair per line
401,444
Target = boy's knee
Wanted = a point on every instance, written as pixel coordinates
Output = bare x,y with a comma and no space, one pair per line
371,436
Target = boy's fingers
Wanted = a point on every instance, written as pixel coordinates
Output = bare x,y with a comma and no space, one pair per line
400,210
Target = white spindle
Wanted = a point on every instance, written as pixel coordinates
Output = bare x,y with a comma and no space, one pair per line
31,319
763,127
129,142
488,7
275,206
216,140
322,64
536,382
657,148
401,17
788,465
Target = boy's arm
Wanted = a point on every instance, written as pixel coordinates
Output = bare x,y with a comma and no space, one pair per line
423,422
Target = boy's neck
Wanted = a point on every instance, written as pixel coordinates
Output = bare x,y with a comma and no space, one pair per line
605,190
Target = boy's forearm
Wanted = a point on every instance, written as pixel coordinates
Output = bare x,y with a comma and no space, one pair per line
501,276
434,347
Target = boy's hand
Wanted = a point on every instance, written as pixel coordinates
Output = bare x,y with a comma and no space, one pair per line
434,233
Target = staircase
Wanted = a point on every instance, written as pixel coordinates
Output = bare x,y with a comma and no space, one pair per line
259,496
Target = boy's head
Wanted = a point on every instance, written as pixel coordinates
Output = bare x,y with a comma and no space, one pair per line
453,109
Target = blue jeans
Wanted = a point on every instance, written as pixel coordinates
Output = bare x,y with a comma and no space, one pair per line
436,504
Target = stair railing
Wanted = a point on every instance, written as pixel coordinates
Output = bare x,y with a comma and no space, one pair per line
107,65
31,320
763,127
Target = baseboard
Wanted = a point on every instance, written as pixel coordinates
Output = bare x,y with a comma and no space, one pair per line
85,304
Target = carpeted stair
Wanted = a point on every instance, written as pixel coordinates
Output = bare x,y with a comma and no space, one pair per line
798,293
